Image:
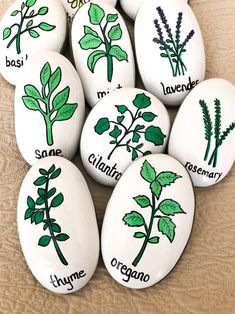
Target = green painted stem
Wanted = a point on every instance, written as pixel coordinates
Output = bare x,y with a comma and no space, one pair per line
50,140
57,248
207,149
109,67
214,157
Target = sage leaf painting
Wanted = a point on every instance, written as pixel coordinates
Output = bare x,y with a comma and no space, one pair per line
102,36
39,210
219,137
127,133
160,221
26,15
52,109
172,46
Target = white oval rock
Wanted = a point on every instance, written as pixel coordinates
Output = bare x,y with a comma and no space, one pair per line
131,7
57,225
165,47
123,126
72,6
49,108
203,134
148,221
102,50
26,28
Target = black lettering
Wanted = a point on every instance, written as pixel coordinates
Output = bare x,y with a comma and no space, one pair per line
82,274
90,158
113,261
53,281
163,87
67,281
194,168
146,278
8,63
119,263
59,152
167,90
100,94
37,153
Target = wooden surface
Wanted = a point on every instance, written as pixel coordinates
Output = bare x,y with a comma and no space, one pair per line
204,279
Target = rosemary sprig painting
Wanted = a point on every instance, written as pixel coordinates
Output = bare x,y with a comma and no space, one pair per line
219,136
160,212
171,45
25,24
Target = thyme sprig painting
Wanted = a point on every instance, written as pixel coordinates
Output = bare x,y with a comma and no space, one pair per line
25,24
106,36
215,129
159,211
52,110
39,210
127,133
172,46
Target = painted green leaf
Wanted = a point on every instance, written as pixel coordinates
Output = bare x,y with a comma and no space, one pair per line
90,41
43,11
154,135
61,98
39,216
115,32
30,202
133,219
31,13
154,240
120,119
55,174
40,181
43,172
45,226
28,213
30,3
62,237
58,200
51,192
167,178
139,235
121,109
139,127
45,74
46,27
170,207
51,169
6,33
96,14
102,125
156,188
147,153
89,30
14,13
41,192
142,101
134,155
111,17
167,227
66,112
32,91
40,200
44,240
147,172
139,146
31,103
115,132
112,142
142,200
33,33
54,79
93,58
135,137
30,23
148,116
118,53
55,228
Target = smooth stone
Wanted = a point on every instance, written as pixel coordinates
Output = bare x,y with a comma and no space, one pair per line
101,73
165,47
72,6
52,131
148,221
123,126
58,233
203,134
43,28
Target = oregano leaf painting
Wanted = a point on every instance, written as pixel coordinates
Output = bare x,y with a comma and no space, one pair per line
52,104
22,25
102,35
39,211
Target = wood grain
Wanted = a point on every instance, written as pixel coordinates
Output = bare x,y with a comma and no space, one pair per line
204,279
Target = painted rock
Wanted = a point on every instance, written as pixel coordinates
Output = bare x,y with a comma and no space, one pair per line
26,28
102,50
131,7
72,6
122,127
165,47
148,221
203,134
49,108
55,208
